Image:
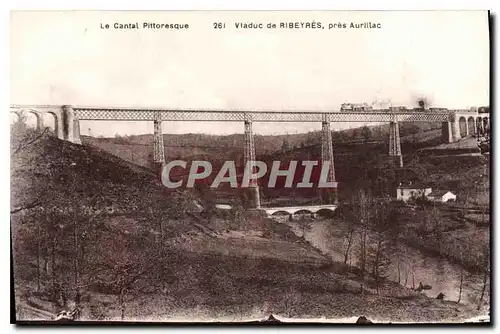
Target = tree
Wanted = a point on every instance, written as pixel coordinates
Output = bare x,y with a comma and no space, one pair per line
433,217
366,133
376,225
378,255
394,231
486,270
461,283
309,139
362,208
404,264
128,268
23,137
355,133
336,137
348,223
285,147
379,250
464,254
385,178
416,170
59,223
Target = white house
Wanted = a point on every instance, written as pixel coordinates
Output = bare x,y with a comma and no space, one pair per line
407,192
441,196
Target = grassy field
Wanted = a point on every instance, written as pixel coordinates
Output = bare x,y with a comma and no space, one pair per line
235,288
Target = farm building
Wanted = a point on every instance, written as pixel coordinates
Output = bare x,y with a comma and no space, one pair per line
441,196
411,191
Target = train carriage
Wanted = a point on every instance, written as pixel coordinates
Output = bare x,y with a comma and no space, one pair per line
353,107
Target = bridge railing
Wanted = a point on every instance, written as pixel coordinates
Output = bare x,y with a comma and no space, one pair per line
84,113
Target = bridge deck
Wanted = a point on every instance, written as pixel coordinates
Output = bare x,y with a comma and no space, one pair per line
149,114
275,116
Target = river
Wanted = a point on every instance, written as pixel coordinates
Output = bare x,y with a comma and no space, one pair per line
414,267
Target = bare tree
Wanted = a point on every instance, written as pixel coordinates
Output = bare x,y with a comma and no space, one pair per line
461,283
407,272
57,227
393,230
398,264
462,259
413,276
349,238
38,254
380,248
366,133
436,226
486,271
76,263
362,208
348,223
23,137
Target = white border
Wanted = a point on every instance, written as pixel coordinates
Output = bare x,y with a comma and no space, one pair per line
251,5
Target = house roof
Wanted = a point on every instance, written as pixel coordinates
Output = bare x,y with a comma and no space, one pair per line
416,187
439,193
413,184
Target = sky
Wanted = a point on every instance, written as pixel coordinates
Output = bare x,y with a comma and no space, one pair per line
67,58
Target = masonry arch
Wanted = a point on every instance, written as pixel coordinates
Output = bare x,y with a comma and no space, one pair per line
463,127
33,120
14,118
303,212
479,125
486,123
50,121
325,212
280,213
471,124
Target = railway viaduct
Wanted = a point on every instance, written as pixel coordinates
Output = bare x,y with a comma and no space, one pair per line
456,124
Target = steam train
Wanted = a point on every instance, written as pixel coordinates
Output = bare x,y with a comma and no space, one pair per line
356,107
364,107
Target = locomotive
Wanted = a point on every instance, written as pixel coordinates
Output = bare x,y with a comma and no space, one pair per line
353,107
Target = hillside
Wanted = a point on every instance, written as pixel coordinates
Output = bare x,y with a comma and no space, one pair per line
94,231
359,153
138,149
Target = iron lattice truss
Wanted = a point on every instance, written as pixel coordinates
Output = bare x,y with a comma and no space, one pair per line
159,147
249,152
394,140
327,150
255,116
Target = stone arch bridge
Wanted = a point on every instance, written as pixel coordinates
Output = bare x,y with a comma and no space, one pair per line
66,124
466,124
313,210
